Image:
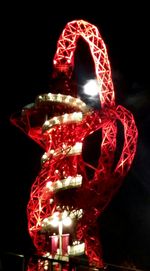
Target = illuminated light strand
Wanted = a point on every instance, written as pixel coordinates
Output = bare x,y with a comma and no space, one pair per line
54,219
66,118
67,183
64,99
76,249
69,150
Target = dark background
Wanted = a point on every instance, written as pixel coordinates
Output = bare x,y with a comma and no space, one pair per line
30,38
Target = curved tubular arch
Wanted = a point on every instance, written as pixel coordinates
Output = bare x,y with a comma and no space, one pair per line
66,46
63,60
130,141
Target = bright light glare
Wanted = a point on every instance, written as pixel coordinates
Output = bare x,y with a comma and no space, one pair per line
54,222
91,87
67,221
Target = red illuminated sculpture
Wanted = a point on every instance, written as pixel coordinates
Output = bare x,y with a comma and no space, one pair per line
65,202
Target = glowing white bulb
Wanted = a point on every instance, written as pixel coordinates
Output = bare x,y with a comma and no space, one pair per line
46,122
49,185
91,88
45,220
67,221
54,222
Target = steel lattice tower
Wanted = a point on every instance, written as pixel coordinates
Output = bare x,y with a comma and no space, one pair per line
59,122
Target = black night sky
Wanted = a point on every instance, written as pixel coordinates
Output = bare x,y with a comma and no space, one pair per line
30,43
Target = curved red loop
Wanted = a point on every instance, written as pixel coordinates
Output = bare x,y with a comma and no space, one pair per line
66,46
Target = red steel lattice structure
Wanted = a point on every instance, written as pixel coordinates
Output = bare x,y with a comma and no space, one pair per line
60,122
